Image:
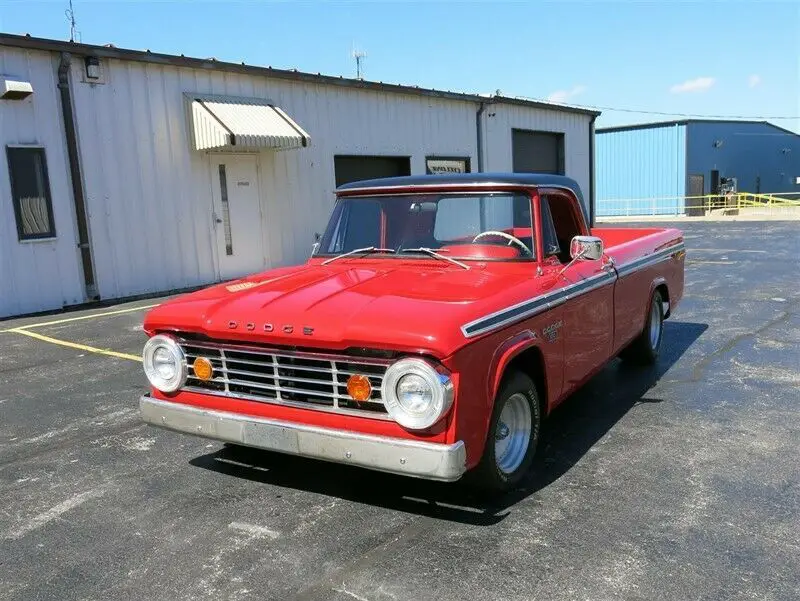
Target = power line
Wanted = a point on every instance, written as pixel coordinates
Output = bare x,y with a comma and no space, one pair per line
667,114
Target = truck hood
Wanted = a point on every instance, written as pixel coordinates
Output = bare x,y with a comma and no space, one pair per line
403,307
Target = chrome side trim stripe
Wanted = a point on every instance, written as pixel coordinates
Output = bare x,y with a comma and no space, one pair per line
649,260
534,306
530,308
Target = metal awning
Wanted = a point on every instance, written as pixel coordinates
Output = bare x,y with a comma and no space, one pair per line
225,123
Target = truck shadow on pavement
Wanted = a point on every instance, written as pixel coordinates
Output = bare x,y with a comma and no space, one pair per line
572,429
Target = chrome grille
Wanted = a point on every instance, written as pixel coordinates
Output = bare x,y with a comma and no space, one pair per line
300,379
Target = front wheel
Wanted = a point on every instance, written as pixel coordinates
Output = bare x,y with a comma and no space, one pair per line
513,435
645,348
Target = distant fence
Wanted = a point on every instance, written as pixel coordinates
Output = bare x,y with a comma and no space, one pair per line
746,202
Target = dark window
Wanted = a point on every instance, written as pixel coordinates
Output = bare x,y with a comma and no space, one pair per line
226,210
558,227
537,151
714,181
349,168
30,193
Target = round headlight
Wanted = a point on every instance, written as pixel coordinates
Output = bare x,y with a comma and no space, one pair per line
415,394
164,363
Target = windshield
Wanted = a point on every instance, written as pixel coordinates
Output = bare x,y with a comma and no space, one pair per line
485,226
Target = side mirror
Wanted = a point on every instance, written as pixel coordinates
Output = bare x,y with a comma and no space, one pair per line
586,248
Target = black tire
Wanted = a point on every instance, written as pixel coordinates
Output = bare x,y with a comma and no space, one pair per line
488,477
644,349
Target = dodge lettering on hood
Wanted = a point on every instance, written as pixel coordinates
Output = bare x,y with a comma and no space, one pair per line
436,324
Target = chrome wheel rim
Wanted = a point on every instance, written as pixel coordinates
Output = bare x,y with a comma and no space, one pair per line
512,433
655,326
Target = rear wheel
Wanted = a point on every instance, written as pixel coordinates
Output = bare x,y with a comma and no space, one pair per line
645,348
513,435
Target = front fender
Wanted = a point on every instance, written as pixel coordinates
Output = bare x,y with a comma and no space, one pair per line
503,355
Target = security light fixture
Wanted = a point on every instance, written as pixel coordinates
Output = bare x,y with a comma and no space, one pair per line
717,143
92,67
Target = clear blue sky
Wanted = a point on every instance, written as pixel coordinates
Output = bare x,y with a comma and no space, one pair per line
720,58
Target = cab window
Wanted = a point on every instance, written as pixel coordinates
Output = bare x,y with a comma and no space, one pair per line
559,226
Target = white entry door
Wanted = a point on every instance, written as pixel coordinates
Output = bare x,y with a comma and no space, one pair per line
237,215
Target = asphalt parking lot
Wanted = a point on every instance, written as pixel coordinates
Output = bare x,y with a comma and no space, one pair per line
680,482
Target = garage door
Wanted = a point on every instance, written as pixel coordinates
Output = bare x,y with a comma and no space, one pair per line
356,168
538,151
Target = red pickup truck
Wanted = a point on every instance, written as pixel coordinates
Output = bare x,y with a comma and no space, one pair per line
437,323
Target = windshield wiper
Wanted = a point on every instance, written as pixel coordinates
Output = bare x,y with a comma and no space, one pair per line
433,253
366,249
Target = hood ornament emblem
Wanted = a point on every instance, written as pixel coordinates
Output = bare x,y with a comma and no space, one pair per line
250,326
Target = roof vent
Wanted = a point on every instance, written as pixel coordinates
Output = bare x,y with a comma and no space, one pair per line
11,89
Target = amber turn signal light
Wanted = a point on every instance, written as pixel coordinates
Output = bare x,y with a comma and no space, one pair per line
359,388
203,369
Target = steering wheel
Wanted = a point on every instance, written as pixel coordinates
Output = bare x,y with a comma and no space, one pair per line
508,237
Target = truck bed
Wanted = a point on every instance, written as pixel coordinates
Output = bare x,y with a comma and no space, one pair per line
625,244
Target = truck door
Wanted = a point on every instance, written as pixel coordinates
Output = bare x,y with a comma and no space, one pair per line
588,316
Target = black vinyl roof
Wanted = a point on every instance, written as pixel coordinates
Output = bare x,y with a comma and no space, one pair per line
466,179
477,179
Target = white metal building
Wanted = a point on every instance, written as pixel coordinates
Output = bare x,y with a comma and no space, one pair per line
132,173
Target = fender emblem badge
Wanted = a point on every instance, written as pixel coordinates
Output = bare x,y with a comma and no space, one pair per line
550,332
232,324
288,329
308,331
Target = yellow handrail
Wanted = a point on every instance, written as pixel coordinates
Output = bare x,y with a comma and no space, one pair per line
705,203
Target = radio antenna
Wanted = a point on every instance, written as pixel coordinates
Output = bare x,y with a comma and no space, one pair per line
359,56
71,18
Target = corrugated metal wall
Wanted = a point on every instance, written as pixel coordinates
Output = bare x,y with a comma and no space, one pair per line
501,119
762,158
641,171
149,196
41,274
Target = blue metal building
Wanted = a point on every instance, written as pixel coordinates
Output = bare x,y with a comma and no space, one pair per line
649,168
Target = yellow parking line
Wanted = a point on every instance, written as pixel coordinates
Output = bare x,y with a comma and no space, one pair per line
80,318
75,345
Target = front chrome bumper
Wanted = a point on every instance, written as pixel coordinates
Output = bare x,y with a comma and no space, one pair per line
427,460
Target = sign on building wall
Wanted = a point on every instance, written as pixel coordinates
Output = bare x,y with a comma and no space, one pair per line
443,166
